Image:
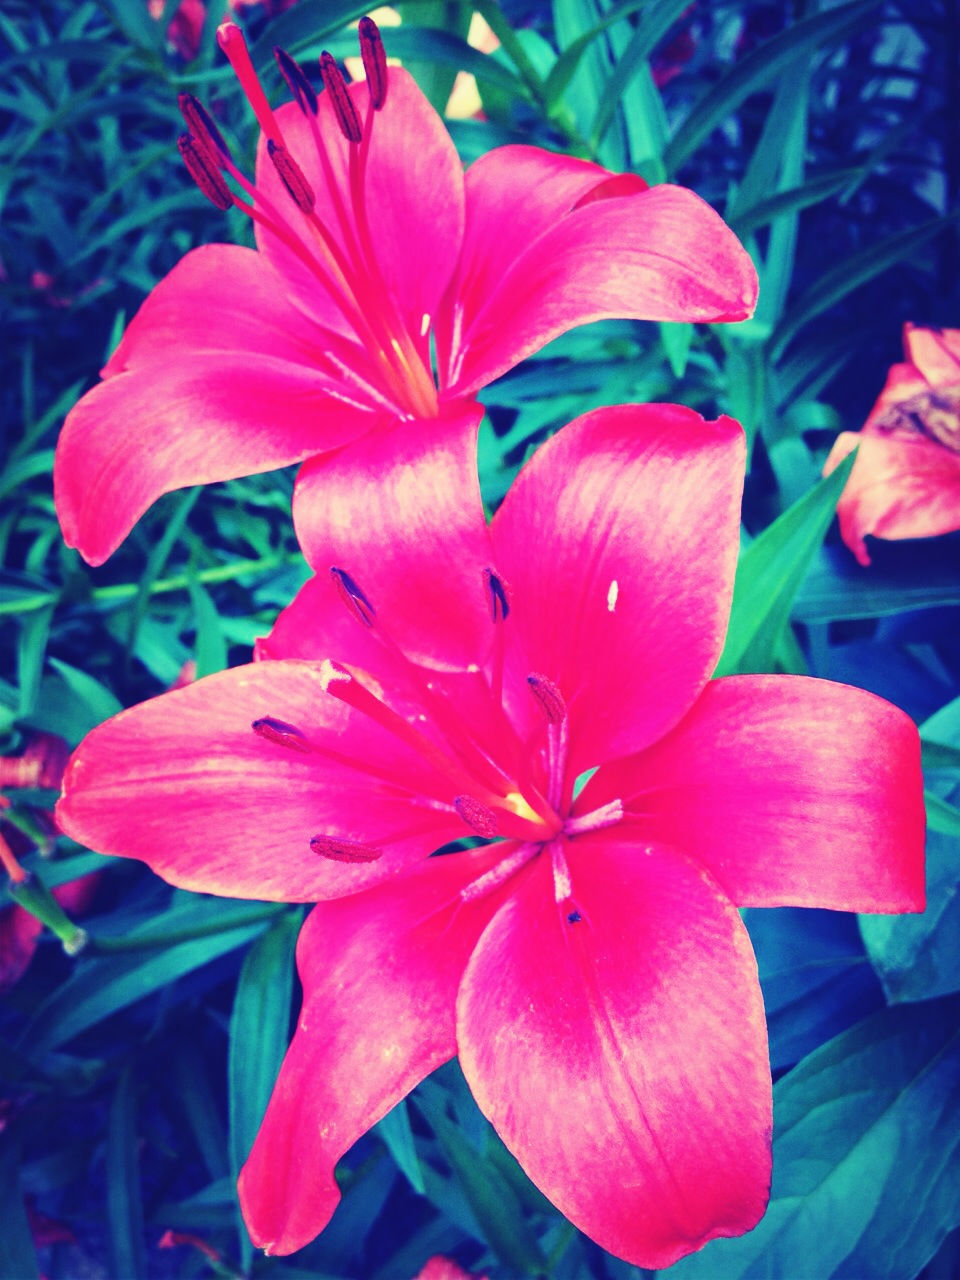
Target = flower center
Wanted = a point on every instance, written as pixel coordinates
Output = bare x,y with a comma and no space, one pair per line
387,363
499,785
934,413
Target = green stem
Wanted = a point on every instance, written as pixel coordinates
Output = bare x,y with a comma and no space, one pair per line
119,592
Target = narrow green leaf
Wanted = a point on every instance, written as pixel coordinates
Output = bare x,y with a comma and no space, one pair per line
259,1033
942,816
124,1206
770,572
567,63
653,25
18,1261
101,985
490,1197
761,68
815,190
101,703
397,1135
676,339
211,646
837,587
850,274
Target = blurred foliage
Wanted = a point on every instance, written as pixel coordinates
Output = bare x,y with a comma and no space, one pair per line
132,1075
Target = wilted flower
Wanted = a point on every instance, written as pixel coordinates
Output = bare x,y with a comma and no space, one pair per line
440,679
905,481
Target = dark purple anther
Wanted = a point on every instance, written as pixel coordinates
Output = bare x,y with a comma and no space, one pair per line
374,61
497,596
339,850
283,734
291,175
202,167
549,696
477,816
340,99
297,82
201,126
352,596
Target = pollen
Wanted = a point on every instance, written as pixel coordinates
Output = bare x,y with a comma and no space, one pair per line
613,591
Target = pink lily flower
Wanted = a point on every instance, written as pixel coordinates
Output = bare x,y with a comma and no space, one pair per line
905,482
442,678
387,286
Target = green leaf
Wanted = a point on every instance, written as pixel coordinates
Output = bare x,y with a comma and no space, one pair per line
866,1179
17,1257
397,1136
837,587
96,697
917,955
676,339
815,190
102,984
259,1034
490,1197
124,1207
942,816
761,68
654,23
211,647
770,572
850,274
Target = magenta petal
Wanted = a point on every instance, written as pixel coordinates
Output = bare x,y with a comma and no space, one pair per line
380,972
414,199
200,418
619,539
662,254
622,1055
185,783
789,790
401,513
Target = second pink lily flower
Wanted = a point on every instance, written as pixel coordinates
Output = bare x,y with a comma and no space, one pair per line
388,287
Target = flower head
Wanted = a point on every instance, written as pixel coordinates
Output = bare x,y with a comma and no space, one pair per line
440,679
387,287
905,481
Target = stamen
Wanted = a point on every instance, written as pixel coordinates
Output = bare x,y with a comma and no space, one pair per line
352,596
339,850
499,874
340,99
497,594
292,177
482,819
374,61
203,170
283,734
608,815
201,125
549,697
297,82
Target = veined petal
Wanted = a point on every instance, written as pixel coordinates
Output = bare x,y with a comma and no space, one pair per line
662,254
790,791
622,1054
253,315
186,784
380,972
413,196
513,195
195,419
935,352
900,487
403,516
619,539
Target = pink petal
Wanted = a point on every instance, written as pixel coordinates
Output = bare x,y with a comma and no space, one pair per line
619,540
790,791
513,195
414,198
622,1055
380,972
403,516
253,313
900,487
935,352
184,783
662,254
